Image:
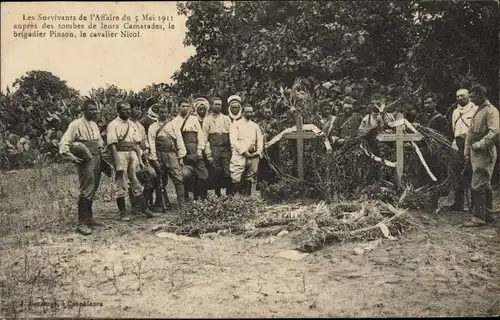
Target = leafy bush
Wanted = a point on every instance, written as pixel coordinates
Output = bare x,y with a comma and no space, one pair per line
214,214
288,189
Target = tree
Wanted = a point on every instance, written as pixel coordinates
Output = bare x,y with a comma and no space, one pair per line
44,84
354,47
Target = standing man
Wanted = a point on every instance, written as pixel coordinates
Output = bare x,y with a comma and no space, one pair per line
126,156
432,118
153,188
346,125
480,150
85,131
216,128
194,141
167,151
461,119
201,107
234,103
269,128
141,139
247,146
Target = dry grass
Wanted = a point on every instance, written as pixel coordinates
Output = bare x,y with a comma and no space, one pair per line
48,270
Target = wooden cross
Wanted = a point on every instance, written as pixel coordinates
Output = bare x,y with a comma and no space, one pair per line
400,137
300,135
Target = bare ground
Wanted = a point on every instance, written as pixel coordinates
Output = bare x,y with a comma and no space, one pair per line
439,269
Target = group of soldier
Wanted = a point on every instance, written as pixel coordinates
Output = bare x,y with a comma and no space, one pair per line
200,146
472,127
186,149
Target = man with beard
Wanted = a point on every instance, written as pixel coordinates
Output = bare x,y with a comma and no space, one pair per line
216,128
167,151
234,103
269,128
460,122
247,145
346,125
85,131
141,139
126,156
194,141
480,150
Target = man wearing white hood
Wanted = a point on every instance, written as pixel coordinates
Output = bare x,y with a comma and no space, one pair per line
235,110
460,122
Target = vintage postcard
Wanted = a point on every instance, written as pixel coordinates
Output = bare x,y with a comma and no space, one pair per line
249,159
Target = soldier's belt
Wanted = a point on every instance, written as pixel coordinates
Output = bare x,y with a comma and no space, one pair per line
125,146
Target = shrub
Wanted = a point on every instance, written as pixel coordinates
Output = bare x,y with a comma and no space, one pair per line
214,214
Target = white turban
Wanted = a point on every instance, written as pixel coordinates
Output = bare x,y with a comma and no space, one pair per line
201,102
233,98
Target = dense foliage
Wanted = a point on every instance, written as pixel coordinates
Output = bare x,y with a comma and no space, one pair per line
349,47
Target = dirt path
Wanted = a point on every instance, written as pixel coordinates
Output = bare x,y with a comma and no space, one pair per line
442,269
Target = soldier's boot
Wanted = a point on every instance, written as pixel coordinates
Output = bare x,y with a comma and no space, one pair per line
133,203
458,204
122,209
236,187
143,206
200,189
479,209
489,199
148,195
247,188
91,221
488,205
83,217
186,192
217,192
180,192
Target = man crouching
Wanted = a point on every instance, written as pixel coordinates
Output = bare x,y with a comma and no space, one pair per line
126,156
85,131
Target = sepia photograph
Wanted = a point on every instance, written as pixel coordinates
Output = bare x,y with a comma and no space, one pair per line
250,159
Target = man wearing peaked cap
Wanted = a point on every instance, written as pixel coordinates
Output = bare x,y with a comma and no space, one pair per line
235,110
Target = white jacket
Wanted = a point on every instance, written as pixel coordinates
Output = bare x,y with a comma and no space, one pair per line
461,119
